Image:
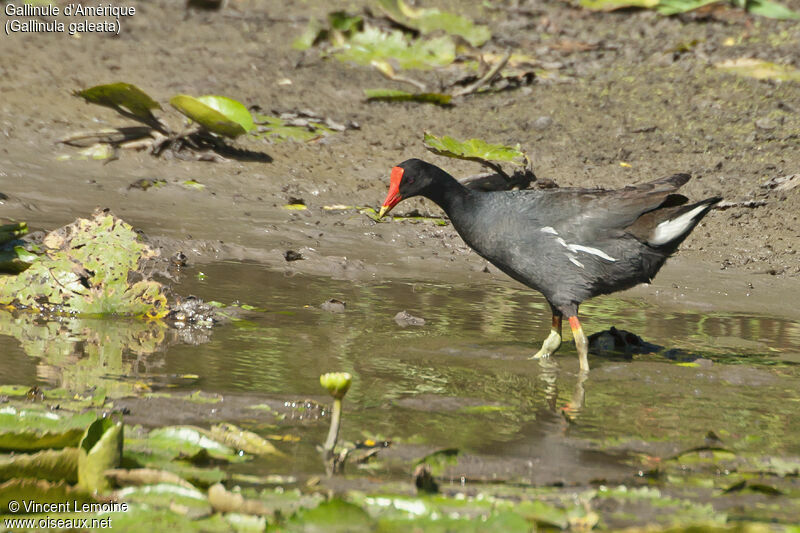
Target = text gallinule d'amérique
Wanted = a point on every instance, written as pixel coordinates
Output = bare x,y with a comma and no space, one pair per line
569,244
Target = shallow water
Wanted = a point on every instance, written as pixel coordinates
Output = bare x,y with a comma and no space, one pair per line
463,380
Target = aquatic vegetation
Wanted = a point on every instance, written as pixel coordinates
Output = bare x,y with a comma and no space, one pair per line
86,268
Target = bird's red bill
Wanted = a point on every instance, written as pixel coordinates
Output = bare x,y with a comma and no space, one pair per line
393,198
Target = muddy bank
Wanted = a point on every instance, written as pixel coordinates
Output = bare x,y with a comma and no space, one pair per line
626,90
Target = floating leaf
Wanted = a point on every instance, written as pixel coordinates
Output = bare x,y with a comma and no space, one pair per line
760,70
85,269
186,441
247,441
16,259
212,118
30,429
473,149
374,44
430,20
52,465
30,491
392,95
186,500
224,501
99,450
125,96
333,516
295,207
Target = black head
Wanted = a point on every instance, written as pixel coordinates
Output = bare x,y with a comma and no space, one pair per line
413,177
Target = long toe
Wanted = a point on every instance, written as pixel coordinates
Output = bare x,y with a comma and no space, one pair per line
549,346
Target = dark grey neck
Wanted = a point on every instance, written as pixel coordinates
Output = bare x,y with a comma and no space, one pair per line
449,194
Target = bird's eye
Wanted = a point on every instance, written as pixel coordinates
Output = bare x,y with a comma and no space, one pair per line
409,180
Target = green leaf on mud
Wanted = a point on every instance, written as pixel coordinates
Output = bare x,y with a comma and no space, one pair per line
313,33
612,5
217,114
772,10
31,429
430,20
760,70
673,7
51,465
99,450
240,439
279,130
124,96
393,95
474,149
374,44
85,269
193,184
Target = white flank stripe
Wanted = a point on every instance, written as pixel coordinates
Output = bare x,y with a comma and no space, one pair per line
574,260
585,249
590,250
674,228
549,229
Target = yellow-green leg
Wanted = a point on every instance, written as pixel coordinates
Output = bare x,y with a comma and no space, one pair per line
553,341
581,342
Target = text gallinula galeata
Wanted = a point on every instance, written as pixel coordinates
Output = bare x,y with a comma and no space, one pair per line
569,244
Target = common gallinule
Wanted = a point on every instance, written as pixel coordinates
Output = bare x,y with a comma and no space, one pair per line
569,244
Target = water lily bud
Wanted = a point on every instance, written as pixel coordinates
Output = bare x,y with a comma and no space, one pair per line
337,383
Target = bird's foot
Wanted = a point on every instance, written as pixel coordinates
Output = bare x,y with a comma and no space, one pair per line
549,346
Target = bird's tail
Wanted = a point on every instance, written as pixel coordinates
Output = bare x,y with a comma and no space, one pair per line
670,232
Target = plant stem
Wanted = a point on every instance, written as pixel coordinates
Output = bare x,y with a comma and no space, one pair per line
333,432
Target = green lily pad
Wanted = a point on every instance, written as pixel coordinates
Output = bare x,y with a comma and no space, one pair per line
192,502
430,20
11,232
99,450
474,149
760,70
374,44
392,95
217,114
26,492
51,465
30,429
84,270
240,439
125,96
184,441
333,516
16,259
